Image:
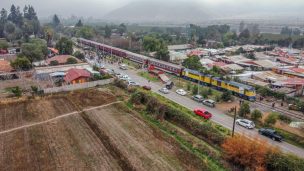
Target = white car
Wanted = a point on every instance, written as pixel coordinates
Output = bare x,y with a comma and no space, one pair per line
181,92
245,123
164,90
123,67
132,83
125,78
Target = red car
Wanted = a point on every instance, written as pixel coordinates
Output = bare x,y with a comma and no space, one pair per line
203,113
146,87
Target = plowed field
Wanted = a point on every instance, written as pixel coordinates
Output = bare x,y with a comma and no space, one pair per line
78,131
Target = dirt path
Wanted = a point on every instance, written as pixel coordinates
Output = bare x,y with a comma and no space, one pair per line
55,118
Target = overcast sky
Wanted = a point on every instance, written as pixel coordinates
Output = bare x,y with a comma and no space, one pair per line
98,8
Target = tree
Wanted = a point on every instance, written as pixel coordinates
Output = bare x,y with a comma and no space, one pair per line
3,44
163,54
296,31
193,62
242,26
286,31
55,21
108,32
271,119
13,14
226,96
86,32
79,55
22,63
65,46
122,29
151,43
35,50
3,20
244,110
79,24
247,153
256,115
71,61
245,34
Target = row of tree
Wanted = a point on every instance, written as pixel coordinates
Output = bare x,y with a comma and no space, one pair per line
153,43
16,24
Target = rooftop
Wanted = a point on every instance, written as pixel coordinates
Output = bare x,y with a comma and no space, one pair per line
74,73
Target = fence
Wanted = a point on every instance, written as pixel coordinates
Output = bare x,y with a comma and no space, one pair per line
78,86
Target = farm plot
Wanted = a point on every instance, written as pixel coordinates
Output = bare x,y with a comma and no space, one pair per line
67,144
53,133
133,140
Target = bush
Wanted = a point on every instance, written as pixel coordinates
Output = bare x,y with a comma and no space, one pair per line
22,63
217,98
54,63
271,119
79,55
256,115
71,60
276,161
172,114
244,110
195,89
188,86
226,96
16,91
285,119
120,84
205,93
246,153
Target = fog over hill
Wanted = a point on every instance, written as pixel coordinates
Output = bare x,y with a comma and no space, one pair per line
183,11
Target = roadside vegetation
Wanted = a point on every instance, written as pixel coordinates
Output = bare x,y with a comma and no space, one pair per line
221,150
148,76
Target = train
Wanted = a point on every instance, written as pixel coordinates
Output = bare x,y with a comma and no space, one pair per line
242,90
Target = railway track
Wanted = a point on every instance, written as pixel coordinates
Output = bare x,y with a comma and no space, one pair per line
287,112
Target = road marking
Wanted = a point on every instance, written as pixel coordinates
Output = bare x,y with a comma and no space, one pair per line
56,118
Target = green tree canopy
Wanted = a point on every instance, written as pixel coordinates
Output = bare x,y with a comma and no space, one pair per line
193,62
86,32
244,110
3,44
35,50
108,32
22,63
65,46
71,61
256,115
79,55
79,24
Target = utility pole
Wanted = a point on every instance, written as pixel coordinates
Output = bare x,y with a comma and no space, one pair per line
234,121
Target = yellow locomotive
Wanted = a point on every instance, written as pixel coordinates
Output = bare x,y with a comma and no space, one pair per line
238,89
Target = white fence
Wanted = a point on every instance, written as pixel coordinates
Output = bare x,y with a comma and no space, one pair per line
78,86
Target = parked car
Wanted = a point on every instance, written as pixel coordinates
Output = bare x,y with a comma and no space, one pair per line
197,98
164,90
169,85
118,75
271,134
245,123
203,113
181,92
132,83
123,67
125,78
146,87
208,102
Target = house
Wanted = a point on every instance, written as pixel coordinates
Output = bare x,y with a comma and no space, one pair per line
74,76
61,59
179,47
232,68
5,66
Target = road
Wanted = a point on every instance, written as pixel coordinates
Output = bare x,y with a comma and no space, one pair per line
218,116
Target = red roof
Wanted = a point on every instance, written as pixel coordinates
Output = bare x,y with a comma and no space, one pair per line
297,70
5,66
73,74
294,81
218,64
54,50
62,59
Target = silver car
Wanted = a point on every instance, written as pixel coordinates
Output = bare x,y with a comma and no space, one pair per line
245,123
209,103
164,90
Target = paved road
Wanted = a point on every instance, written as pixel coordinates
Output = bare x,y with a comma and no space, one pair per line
218,116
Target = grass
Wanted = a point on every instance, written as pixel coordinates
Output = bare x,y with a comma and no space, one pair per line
148,76
291,138
211,163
